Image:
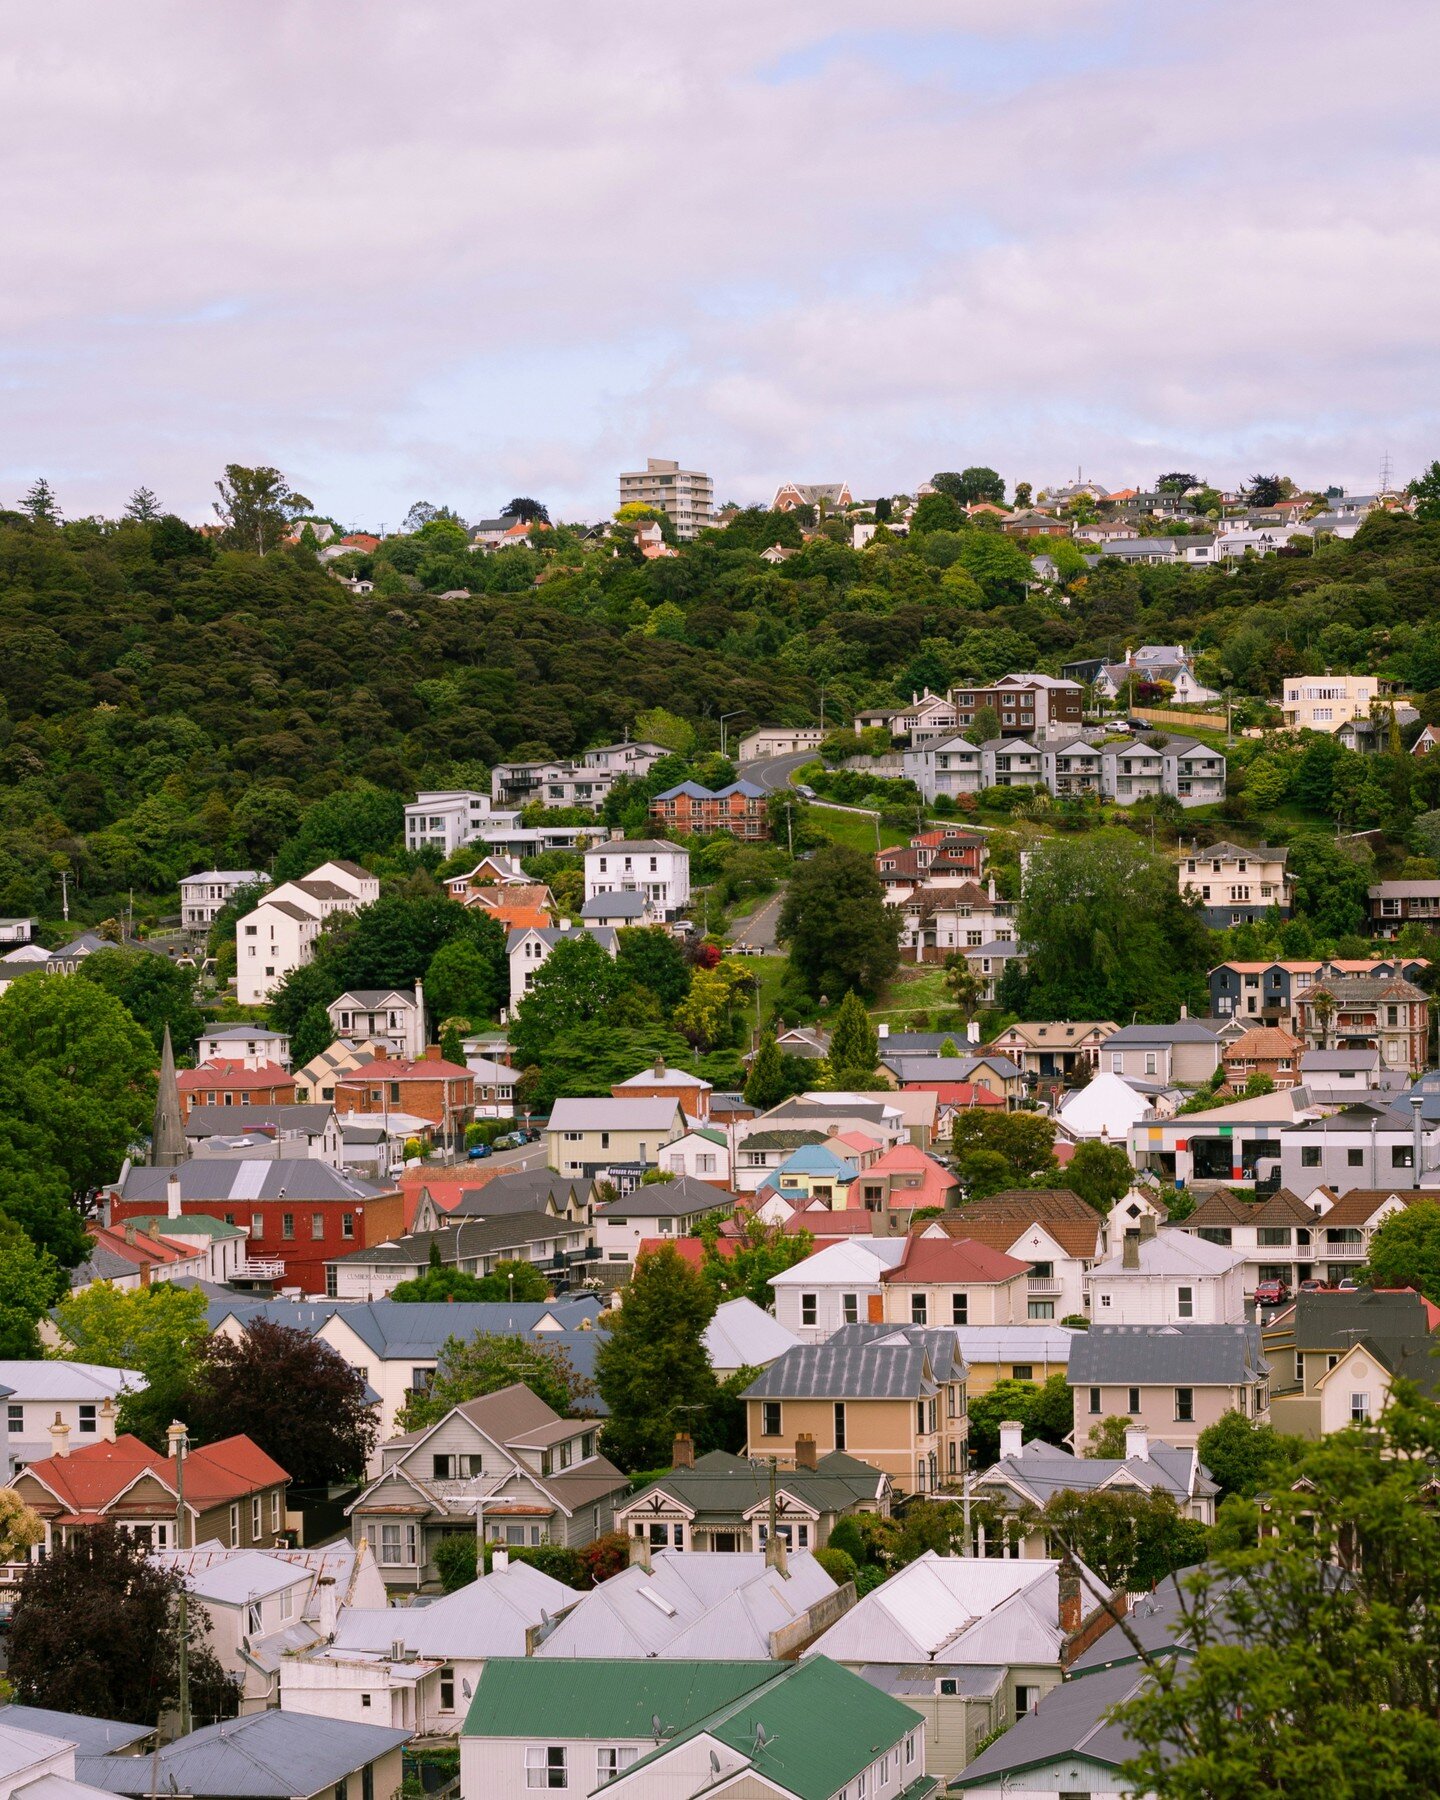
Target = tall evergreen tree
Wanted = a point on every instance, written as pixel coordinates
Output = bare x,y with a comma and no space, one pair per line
653,1371
143,506
40,502
854,1045
766,1085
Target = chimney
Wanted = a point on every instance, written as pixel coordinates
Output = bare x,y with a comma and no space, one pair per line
1012,1434
659,1067
1070,1609
174,1438
499,1561
1130,1251
129,1234
106,1422
1137,1442
1184,1010
327,1604
805,1452
682,1453
564,924
640,1553
432,1053
172,1197
59,1437
775,1554
421,1033
382,1053
882,1031
1147,1227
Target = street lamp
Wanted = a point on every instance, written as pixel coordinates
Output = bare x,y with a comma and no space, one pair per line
723,717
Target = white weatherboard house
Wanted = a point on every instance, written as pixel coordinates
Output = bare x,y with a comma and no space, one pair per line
249,1045
652,867
205,895
83,1396
1168,1278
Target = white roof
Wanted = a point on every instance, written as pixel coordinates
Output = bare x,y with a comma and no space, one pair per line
1173,1253
678,1078
1107,1104
1014,1343
57,1380
852,1261
21,1750
650,1114
743,1335
248,1575
721,1606
956,1609
488,1618
1281,1106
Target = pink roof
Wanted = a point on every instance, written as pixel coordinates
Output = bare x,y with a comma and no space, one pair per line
953,1259
956,1093
395,1068
855,1140
906,1159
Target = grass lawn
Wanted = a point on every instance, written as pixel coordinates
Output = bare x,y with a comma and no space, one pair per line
857,830
918,988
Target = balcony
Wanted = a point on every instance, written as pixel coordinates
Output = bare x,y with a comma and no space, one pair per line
251,1270
1043,1284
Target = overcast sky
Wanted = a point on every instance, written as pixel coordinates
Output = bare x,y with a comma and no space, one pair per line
458,252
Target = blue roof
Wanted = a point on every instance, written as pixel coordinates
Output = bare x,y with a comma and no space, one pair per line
815,1159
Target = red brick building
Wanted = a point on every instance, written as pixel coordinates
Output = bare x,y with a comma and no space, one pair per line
442,1092
226,1083
739,809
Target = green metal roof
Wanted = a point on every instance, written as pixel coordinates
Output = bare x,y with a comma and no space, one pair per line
822,1726
605,1698
192,1224
721,1486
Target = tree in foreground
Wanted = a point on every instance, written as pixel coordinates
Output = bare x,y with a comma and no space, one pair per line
1130,1539
652,1371
759,1252
157,1330
1405,1251
290,1393
1044,1412
854,1047
1099,1173
96,1631
841,933
1316,1634
470,1367
1245,1457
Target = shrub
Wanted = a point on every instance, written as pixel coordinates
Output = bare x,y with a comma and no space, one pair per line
846,1538
456,1557
837,1564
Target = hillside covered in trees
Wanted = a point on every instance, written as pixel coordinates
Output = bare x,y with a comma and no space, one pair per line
167,702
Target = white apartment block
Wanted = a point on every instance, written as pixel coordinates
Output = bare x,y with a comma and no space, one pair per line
585,783
203,896
448,820
686,495
1326,702
652,867
1120,772
280,934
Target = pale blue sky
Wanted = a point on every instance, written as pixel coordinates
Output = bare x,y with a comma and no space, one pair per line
406,254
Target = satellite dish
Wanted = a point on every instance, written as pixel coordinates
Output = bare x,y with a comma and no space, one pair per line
760,1739
714,1763
466,1689
655,1724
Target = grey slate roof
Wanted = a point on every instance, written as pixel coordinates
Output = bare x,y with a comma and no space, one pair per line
1335,1062
877,1362
721,1486
266,1756
91,1737
636,847
1170,1355
521,1190
241,1178
669,1199
614,906
475,1237
1043,1469
1159,1619
310,1117
1071,1720
1184,1031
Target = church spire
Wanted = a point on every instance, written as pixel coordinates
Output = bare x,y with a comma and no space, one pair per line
167,1134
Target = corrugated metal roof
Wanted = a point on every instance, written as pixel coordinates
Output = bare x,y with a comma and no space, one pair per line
614,1698
90,1736
265,1756
853,1371
1184,1355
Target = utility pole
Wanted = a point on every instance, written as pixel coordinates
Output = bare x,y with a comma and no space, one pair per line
65,895
790,826
181,1443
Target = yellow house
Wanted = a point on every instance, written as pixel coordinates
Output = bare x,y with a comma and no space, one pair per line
892,1395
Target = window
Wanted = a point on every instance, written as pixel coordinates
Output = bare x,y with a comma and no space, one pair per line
919,1309
1117,1062
252,1618
545,1766
770,1418
612,1760
910,1749
1354,1159
1027,1698
1040,1309
275,1509
347,1225
287,1225
15,1418
317,1225
839,1424
1185,1405
397,1543
447,1690
1309,1156
850,1308
257,1225
1359,1409
235,1527
959,1309
1023,1372
1134,1399
1095,1401
1185,1303
809,1308
1402,1156
257,1517
87,1417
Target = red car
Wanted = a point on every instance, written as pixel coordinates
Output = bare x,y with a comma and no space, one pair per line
1271,1293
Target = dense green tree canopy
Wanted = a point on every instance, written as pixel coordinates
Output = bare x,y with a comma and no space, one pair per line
652,1371
841,933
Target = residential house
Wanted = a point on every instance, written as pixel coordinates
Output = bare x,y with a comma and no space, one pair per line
586,1137
1013,762
505,1466
654,868
827,1113
1237,883
1160,1276
449,820
530,1726
1231,1143
778,740
893,1396
1027,1475
908,1057
659,1082
1270,991
720,1607
912,1280
203,897
1152,664
1023,703
1279,1237
1337,1077
299,1211
316,1080
393,1017
528,950
721,1503
1068,1738
701,1155
251,1045
945,857
1307,1344
1326,702
936,921
234,1084
1174,1379
833,496
763,1152
219,1248
1185,1054
1356,1391
428,1088
1347,1223
836,1286
1055,1050
690,808
973,1643
82,1396
1110,1105
1263,1050
1051,1229
1030,1352
270,1755
279,935
1356,1012
131,1257
255,1131
903,1177
234,1492
561,1248
1393,904
674,1208
1028,523
1428,740
491,874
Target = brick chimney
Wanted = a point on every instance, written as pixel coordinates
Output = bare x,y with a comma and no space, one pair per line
105,1424
1130,1251
806,1456
59,1437
432,1053
1070,1608
1147,1226
174,1437
682,1453
382,1053
775,1554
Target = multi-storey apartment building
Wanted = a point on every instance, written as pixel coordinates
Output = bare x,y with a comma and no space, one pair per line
686,495
279,935
584,782
1395,903
1022,703
1122,772
1236,883
203,896
1360,1012
448,819
1326,702
739,809
1268,991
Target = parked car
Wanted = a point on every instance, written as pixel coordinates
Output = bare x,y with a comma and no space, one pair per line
807,793
1312,1285
478,1152
1271,1293
512,1140
1348,1285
